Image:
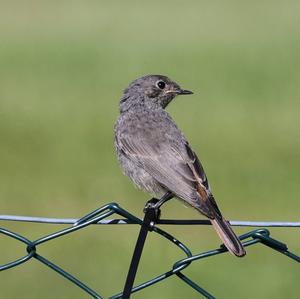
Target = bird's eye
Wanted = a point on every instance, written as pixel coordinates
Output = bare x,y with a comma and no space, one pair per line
161,84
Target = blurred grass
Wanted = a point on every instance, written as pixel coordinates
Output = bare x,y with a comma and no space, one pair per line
63,66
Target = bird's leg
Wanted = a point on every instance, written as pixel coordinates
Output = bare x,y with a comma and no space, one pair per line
154,204
167,196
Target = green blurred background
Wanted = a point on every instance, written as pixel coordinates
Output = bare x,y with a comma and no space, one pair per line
63,66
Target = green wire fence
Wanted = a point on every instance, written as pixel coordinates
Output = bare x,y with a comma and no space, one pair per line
100,216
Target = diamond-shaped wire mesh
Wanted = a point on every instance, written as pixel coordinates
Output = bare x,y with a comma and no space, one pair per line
99,216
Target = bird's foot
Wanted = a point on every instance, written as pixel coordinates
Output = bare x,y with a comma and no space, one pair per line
153,205
153,209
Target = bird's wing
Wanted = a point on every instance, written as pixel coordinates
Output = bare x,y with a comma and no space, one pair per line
169,159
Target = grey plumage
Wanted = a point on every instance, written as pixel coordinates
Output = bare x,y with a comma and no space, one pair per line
153,152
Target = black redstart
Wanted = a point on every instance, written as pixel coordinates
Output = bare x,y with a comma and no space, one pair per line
153,152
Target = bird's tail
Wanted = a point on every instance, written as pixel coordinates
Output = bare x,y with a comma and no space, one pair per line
227,235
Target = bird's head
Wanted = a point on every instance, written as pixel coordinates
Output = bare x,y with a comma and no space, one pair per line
152,89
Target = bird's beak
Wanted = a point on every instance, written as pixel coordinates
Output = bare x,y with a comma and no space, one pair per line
179,91
183,92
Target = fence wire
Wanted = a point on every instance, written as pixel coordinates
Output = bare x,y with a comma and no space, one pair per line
99,216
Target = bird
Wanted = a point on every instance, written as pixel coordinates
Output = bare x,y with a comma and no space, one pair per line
153,152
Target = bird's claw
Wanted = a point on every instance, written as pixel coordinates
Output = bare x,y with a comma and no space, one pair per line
151,207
